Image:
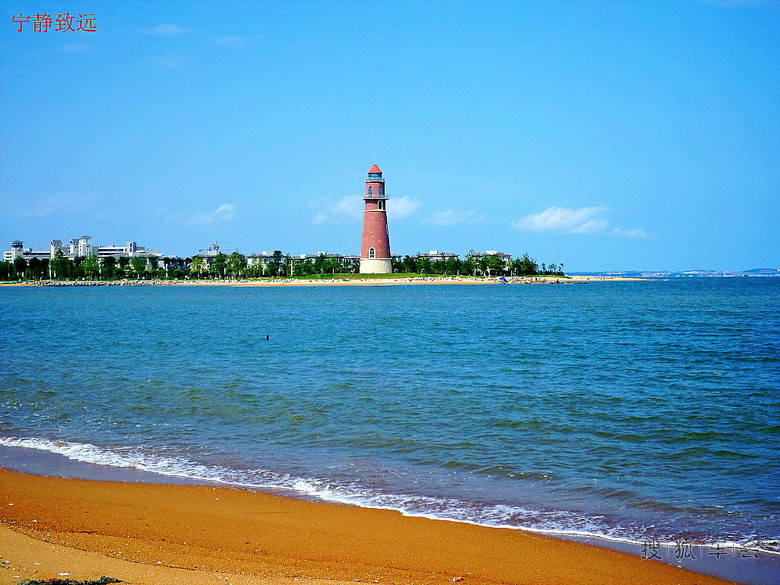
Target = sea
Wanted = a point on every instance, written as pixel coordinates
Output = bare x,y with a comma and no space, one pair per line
640,415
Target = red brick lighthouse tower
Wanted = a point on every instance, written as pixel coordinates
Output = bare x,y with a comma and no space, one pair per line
375,253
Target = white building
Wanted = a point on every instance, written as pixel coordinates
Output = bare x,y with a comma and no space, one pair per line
81,246
117,251
436,256
19,251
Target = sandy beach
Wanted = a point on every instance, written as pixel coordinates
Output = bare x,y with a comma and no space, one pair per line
336,281
166,534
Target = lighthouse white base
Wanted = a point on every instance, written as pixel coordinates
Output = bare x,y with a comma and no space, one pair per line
376,266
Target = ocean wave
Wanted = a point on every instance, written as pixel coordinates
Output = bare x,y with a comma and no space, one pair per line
551,522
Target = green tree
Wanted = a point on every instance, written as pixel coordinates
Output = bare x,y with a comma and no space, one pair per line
471,264
332,266
305,267
495,265
138,265
237,264
91,266
170,267
197,265
526,266
108,270
37,267
60,266
452,266
468,267
20,266
219,265
319,263
78,269
6,270
278,264
482,264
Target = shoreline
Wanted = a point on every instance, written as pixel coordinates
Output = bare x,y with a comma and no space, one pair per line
259,537
292,282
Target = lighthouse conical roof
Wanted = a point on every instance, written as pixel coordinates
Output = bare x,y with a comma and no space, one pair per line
375,169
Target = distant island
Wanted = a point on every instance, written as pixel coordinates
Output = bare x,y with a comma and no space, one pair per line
683,273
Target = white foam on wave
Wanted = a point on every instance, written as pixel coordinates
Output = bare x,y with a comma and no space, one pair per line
555,523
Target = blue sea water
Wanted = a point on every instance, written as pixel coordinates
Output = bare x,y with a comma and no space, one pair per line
627,410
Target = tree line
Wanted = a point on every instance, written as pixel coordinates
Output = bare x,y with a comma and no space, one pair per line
235,265
477,265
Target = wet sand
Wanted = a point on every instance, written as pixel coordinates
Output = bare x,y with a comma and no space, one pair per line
160,534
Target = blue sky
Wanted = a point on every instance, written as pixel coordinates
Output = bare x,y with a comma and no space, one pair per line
604,135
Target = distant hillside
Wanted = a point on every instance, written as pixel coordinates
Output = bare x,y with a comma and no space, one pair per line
754,272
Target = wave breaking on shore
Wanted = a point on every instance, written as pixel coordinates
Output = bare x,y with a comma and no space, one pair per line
499,515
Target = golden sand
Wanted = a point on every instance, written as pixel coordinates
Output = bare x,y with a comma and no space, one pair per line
161,534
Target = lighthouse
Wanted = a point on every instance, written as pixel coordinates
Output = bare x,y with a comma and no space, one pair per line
375,253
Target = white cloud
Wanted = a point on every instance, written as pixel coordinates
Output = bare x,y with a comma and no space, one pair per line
167,30
224,212
583,220
448,217
348,209
634,233
401,207
586,220
591,226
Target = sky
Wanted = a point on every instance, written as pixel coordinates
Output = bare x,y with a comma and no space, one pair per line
601,135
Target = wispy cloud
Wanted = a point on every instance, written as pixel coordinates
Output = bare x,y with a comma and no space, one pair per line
591,226
449,217
630,233
224,212
400,207
348,209
167,30
585,220
560,219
